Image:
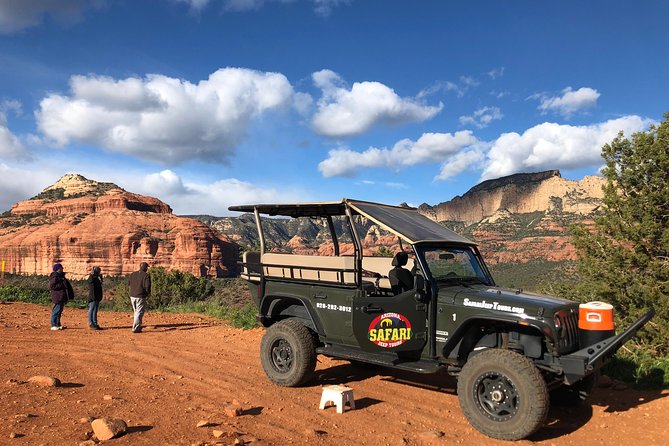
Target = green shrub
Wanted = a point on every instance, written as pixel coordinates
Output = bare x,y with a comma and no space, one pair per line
634,365
121,297
239,317
169,288
13,293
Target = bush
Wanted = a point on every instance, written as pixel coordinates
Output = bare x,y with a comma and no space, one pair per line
35,289
634,365
169,288
13,293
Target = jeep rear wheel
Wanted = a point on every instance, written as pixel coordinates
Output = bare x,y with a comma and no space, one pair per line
502,394
288,353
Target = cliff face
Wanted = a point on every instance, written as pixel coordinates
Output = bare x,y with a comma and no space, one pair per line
82,223
522,217
521,194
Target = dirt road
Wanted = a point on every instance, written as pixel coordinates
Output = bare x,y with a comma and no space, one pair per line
186,368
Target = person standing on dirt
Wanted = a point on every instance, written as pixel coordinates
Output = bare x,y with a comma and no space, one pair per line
61,292
94,297
140,288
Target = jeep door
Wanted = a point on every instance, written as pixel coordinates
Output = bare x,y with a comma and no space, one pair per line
390,323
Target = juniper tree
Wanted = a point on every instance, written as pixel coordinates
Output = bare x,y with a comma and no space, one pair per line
624,257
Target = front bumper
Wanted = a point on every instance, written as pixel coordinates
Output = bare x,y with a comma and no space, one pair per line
583,362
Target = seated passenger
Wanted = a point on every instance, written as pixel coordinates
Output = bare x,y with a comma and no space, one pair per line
401,279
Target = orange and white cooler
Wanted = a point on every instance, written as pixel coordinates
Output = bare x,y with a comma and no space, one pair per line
595,322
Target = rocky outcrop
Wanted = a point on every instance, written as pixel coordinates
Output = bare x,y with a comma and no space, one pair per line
86,223
74,194
520,194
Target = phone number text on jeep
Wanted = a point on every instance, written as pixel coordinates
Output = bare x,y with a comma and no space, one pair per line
333,307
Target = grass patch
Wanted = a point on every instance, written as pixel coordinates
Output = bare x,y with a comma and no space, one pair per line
639,368
239,317
229,301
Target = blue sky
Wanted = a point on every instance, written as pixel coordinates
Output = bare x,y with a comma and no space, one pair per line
208,103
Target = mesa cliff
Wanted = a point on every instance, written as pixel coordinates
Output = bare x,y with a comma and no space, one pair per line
83,223
523,217
521,193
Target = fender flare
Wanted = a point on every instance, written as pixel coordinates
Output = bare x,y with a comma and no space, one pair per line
463,329
269,303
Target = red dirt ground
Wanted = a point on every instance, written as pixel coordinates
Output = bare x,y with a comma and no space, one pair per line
185,368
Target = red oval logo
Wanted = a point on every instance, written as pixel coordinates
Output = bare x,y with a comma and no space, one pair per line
389,330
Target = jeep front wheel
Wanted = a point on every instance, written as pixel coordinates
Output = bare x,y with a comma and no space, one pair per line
288,353
502,394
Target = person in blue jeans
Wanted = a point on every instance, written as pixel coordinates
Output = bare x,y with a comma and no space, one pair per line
61,292
94,297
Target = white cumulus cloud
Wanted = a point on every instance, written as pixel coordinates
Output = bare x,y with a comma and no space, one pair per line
461,161
11,146
164,119
19,184
165,183
192,197
430,147
555,146
344,112
570,102
482,117
16,15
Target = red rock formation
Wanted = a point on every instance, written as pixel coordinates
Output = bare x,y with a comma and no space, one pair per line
114,229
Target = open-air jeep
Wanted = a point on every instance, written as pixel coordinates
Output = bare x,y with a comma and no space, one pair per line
508,348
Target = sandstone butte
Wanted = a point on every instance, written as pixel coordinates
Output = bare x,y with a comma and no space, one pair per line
83,223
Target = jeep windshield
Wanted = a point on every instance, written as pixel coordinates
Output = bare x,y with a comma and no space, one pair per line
455,265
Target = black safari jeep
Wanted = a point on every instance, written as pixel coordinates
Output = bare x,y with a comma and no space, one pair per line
508,348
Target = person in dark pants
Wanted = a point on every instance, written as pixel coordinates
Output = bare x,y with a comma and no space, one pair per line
61,292
140,288
94,297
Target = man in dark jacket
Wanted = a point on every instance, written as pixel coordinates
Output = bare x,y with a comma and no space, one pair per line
61,292
140,288
94,297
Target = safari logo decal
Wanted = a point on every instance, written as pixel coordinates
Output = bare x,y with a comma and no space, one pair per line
390,330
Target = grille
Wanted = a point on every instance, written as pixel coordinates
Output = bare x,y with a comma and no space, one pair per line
569,335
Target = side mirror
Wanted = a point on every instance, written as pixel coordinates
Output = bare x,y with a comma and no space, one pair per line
419,287
419,283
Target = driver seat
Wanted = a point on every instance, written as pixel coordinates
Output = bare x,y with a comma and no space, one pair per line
401,279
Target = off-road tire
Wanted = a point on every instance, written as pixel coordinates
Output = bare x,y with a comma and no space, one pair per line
576,394
503,394
288,353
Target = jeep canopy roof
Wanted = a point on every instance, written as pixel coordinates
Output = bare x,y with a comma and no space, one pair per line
406,223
